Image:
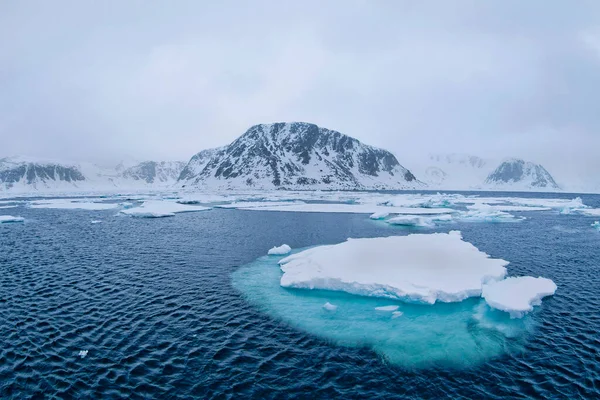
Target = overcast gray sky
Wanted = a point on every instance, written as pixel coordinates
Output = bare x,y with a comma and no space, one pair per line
165,79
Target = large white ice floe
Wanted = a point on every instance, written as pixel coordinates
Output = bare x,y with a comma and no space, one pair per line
592,212
351,209
509,208
158,209
280,251
69,204
5,219
420,268
517,295
486,214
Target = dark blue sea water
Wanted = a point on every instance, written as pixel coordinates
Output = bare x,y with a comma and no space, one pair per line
152,301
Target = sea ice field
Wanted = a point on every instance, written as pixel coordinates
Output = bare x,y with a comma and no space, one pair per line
300,294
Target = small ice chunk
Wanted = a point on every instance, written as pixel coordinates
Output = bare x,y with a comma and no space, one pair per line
329,307
380,215
83,353
419,268
280,251
409,221
5,219
397,314
517,295
387,308
96,221
596,225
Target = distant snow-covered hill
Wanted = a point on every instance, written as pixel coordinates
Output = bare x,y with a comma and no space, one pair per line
468,172
20,174
153,172
453,171
518,174
296,155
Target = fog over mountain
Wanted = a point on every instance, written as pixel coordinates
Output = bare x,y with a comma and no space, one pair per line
104,81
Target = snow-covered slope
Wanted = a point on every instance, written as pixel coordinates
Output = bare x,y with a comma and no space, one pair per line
297,155
518,174
152,172
197,164
453,171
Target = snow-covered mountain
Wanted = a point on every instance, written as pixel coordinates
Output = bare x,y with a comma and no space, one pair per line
518,174
296,155
197,164
20,174
453,171
27,173
152,172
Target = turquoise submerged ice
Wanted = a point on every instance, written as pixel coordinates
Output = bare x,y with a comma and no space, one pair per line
461,334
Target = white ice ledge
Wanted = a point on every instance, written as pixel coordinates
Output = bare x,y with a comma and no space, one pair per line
421,268
159,209
5,219
517,295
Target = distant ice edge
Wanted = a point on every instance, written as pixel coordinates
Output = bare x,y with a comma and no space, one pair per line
438,267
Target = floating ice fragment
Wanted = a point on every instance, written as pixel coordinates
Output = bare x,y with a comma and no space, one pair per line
380,215
410,221
5,219
350,208
96,221
280,251
397,314
517,295
387,308
592,212
83,353
488,215
159,209
329,307
596,225
420,268
71,204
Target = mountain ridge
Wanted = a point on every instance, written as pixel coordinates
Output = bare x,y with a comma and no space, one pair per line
299,155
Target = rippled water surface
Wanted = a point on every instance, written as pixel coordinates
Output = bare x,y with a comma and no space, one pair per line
153,303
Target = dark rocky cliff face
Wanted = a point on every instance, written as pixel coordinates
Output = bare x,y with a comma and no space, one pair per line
298,155
520,171
32,173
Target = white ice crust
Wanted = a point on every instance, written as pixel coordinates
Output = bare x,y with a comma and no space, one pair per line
280,251
387,308
406,220
517,295
351,208
158,209
421,268
67,204
9,218
592,212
